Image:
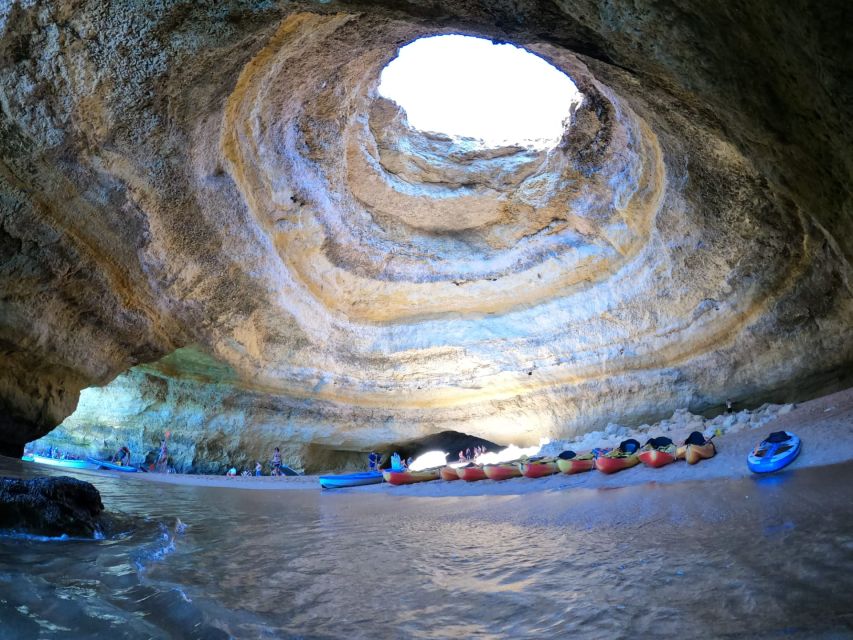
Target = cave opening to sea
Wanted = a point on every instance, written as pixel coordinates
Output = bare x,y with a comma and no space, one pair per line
497,94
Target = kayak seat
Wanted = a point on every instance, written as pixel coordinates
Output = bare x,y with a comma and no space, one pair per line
660,442
696,438
629,446
566,455
777,437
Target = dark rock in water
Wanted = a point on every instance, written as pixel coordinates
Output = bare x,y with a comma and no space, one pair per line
50,506
451,442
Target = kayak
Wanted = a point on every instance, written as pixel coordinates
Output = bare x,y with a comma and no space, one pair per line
622,457
697,452
696,448
502,471
570,464
67,464
113,466
657,457
449,473
27,458
658,452
777,450
409,477
471,474
538,468
350,479
610,463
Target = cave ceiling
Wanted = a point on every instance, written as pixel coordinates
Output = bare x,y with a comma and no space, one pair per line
226,177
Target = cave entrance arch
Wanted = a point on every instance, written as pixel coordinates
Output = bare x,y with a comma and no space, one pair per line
464,86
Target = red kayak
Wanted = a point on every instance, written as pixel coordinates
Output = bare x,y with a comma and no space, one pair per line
578,464
502,471
409,477
471,474
655,458
612,464
449,473
538,468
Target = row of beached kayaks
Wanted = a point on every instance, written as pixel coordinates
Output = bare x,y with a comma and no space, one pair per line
657,452
776,451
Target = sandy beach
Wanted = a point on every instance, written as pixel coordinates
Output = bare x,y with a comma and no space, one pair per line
825,426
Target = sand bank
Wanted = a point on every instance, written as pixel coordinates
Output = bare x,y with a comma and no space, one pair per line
825,426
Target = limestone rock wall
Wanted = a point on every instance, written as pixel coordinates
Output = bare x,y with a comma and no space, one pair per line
226,176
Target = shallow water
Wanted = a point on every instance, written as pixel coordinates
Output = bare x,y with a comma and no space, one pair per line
756,558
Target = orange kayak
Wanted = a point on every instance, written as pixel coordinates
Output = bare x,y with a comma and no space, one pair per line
612,464
471,474
409,477
696,447
697,452
577,464
502,471
538,468
449,473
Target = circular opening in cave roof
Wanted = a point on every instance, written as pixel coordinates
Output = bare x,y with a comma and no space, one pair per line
468,87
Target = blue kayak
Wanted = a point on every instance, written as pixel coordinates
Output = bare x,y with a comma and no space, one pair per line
64,463
351,480
776,451
103,464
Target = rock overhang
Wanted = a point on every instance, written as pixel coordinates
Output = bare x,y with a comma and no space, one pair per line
381,283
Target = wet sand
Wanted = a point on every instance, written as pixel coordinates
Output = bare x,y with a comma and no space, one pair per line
825,426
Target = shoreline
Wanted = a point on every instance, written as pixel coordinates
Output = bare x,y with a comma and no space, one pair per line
825,426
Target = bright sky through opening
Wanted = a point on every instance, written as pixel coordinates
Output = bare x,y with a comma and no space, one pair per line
464,86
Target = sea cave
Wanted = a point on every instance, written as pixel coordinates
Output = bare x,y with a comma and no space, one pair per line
340,228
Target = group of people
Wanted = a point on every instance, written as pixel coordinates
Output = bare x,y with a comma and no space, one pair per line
161,463
277,468
471,454
397,462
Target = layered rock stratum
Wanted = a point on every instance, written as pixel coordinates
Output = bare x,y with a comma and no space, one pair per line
224,179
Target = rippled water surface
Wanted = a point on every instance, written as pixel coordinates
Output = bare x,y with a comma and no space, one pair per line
753,558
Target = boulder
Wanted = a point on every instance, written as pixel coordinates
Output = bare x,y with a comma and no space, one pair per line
50,506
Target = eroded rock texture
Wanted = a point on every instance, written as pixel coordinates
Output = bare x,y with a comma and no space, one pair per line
59,506
225,176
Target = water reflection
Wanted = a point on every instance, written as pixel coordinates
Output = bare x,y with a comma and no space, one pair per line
747,558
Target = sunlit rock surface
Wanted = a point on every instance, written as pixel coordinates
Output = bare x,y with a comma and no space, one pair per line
227,177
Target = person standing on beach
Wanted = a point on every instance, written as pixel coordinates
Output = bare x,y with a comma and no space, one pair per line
163,458
276,462
729,408
258,469
122,456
